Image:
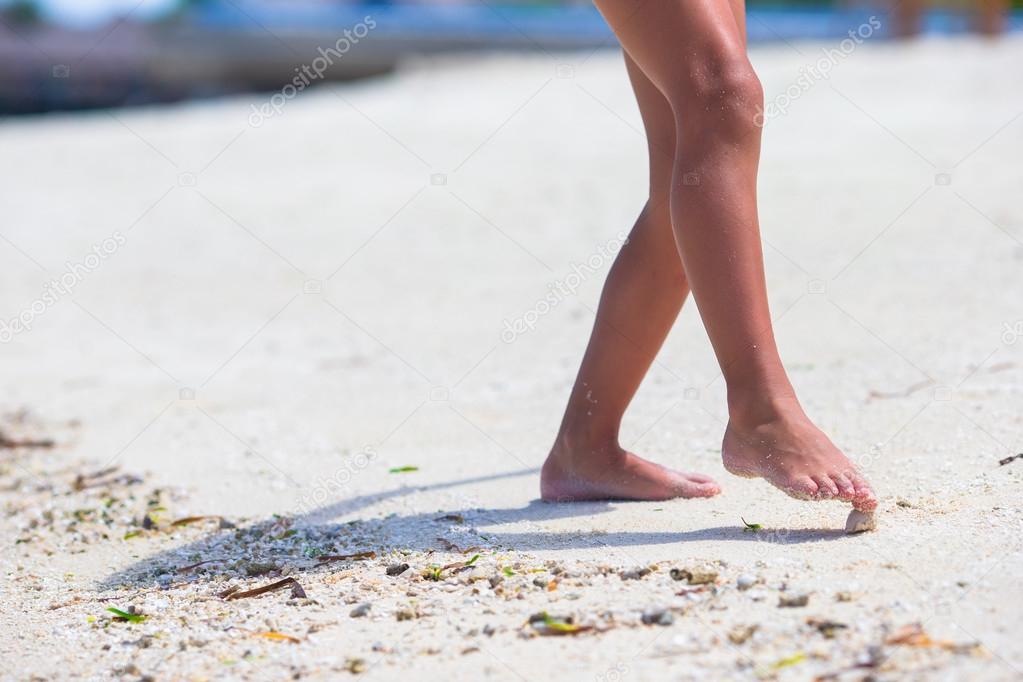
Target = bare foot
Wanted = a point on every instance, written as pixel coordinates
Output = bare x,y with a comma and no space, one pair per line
796,457
610,473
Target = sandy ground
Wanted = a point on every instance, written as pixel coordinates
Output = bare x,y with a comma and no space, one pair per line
285,313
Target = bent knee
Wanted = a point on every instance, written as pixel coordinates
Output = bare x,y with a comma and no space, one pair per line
719,93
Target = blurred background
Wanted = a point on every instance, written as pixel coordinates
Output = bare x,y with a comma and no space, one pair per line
82,54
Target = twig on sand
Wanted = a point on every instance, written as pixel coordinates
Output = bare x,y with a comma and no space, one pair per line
8,443
296,590
357,556
190,567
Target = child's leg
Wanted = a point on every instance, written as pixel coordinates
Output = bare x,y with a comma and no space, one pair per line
641,299
991,16
693,51
908,17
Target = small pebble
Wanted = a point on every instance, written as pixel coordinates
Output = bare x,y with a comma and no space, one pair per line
740,633
694,576
793,600
859,521
745,581
658,617
634,574
361,610
355,665
397,569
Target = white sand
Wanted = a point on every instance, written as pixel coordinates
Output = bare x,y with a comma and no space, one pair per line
880,278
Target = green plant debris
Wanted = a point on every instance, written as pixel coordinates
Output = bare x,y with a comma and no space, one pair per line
546,624
788,661
126,616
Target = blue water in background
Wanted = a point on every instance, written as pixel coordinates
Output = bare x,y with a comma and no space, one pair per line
581,24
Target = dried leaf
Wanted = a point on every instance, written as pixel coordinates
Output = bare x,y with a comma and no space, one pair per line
267,588
190,567
192,519
6,442
457,518
357,556
278,637
456,566
914,635
81,479
448,545
911,635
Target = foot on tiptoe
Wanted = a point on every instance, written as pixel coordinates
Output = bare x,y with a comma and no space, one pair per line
795,456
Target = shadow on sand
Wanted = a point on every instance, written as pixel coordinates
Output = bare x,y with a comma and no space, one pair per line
299,539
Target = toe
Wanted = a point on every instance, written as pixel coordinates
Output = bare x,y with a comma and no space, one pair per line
846,489
695,485
707,489
864,498
825,486
690,489
802,487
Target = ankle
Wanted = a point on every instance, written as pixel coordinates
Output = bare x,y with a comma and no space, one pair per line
589,442
748,409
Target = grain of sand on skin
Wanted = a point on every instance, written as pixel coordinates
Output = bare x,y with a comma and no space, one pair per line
276,468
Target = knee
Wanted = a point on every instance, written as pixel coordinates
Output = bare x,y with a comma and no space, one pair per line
719,95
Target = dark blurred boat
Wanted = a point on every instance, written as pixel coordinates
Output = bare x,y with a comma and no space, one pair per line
221,47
